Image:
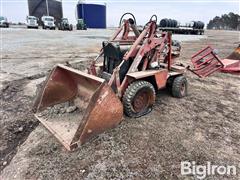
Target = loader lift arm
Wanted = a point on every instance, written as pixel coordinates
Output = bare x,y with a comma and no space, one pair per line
147,41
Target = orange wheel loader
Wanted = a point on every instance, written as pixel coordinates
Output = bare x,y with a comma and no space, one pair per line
135,66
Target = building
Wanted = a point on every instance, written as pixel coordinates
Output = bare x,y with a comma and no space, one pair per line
38,8
94,15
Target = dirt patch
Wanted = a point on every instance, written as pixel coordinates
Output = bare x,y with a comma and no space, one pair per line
63,109
17,119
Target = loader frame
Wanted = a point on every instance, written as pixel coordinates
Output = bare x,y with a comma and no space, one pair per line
141,45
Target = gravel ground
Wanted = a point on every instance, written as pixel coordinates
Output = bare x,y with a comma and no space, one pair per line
27,52
204,126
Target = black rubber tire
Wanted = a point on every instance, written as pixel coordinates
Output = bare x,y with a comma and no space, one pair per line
70,27
133,91
179,86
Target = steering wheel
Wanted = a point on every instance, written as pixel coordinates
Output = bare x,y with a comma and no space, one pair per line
131,20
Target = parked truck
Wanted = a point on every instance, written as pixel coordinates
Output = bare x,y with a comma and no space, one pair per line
48,22
32,22
4,22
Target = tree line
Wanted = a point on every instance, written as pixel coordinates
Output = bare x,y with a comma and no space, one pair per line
229,21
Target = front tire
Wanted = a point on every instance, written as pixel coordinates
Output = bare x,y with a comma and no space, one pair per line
179,86
138,99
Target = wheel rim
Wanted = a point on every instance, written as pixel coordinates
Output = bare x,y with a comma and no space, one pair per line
142,100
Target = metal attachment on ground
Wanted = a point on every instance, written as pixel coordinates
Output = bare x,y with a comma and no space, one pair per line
206,62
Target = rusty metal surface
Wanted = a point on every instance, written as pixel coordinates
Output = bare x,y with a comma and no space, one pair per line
178,68
161,78
142,100
147,41
205,62
100,108
235,55
104,112
231,66
232,62
142,74
62,85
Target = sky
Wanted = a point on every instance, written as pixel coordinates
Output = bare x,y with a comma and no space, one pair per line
181,10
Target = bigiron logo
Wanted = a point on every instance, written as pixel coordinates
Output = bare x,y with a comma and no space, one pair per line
202,171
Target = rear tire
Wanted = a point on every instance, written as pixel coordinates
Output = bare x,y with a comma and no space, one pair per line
179,86
138,99
70,27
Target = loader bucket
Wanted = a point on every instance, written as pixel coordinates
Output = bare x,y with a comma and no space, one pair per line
95,107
